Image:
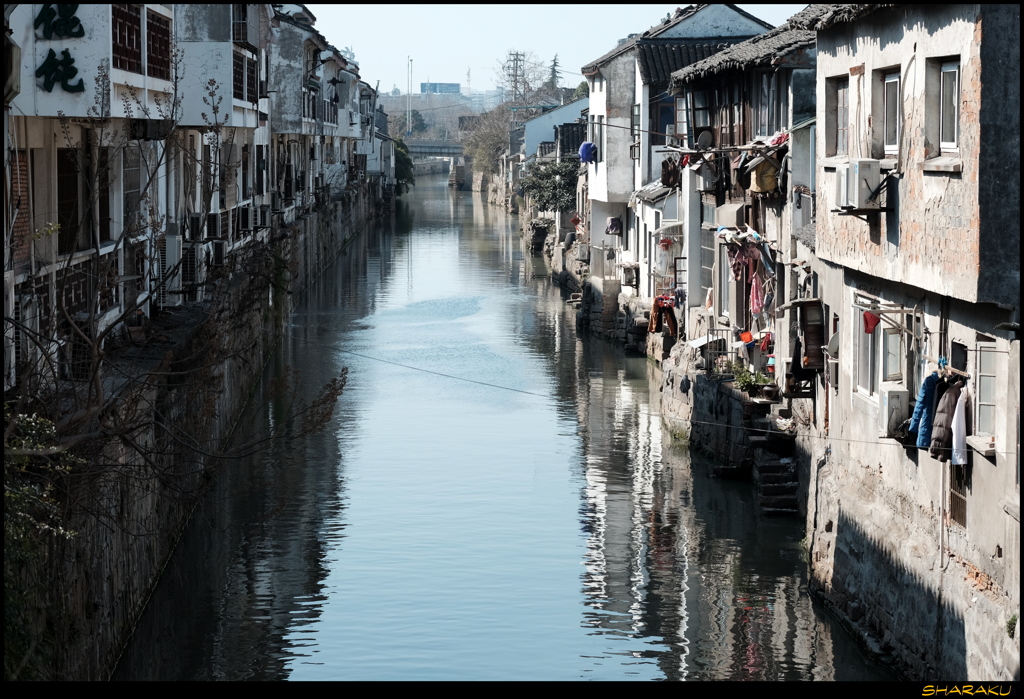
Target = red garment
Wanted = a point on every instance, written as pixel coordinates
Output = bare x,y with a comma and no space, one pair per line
870,321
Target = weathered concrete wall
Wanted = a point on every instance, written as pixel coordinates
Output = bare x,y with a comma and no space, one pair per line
932,236
999,157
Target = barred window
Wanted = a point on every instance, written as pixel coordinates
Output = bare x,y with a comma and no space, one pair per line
250,79
158,46
239,77
127,37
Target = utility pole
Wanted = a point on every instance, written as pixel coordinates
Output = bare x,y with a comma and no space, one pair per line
514,75
408,103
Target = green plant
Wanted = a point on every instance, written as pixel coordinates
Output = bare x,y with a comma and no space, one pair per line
1011,625
745,380
553,186
405,171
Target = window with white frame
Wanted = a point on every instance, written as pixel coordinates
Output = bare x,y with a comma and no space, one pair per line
724,279
949,105
891,112
985,389
866,364
837,105
892,354
681,120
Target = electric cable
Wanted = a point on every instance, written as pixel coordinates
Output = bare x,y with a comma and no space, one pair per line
542,395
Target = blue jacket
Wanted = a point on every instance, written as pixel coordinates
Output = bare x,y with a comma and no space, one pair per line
588,152
924,411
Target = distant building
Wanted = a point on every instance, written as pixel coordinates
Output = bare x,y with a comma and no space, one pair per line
441,88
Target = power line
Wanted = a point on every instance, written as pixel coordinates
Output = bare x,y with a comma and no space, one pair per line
545,396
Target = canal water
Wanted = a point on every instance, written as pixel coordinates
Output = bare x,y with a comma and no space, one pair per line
494,498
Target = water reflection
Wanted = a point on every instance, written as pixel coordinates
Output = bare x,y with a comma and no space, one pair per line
454,529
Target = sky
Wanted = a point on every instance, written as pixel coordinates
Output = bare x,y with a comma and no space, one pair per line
446,41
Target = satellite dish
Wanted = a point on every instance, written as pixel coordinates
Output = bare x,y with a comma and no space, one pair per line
705,140
832,349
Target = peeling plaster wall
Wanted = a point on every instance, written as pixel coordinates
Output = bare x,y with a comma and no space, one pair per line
933,235
286,64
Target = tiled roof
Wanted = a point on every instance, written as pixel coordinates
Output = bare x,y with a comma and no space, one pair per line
761,49
819,17
681,14
659,58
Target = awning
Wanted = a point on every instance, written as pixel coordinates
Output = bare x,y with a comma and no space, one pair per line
660,232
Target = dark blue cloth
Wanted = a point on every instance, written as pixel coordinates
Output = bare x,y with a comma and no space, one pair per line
924,411
588,152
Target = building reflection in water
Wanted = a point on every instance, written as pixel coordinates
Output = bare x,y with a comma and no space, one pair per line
678,564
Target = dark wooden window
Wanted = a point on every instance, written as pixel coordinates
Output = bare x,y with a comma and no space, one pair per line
68,195
239,77
103,191
127,37
158,46
261,166
246,182
240,23
251,79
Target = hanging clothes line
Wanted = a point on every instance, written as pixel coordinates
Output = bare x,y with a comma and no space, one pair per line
947,367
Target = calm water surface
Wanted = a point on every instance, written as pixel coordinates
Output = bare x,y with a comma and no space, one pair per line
493,499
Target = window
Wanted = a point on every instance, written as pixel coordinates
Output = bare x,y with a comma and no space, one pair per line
892,112
634,123
597,135
892,354
158,46
866,365
985,389
949,105
837,104
762,94
131,174
958,486
68,201
681,123
701,109
238,77
131,41
707,248
246,182
127,36
724,279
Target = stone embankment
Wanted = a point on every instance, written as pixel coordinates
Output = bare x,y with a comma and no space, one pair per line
602,308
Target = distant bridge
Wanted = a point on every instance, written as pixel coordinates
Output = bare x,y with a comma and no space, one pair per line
419,149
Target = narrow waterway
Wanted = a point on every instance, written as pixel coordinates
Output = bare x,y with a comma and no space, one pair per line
493,499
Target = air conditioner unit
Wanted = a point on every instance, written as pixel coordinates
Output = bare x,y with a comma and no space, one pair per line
213,225
275,201
195,226
246,218
865,176
170,272
731,215
264,213
894,407
842,197
219,249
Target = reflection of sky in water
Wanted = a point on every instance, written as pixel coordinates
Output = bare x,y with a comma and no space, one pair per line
441,529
